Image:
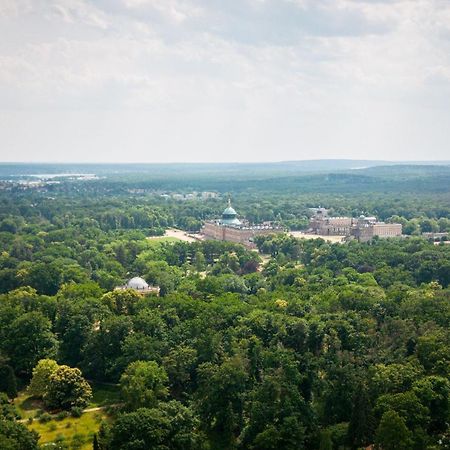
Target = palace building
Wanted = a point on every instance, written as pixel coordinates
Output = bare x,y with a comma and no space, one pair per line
230,228
366,228
363,228
321,223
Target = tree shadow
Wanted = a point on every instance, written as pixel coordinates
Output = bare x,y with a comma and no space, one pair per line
31,403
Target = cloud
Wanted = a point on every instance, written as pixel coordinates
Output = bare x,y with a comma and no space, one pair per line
257,73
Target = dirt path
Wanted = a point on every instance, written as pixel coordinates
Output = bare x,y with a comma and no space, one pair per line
87,410
100,408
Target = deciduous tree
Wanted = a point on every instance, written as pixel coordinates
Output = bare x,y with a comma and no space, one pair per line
67,389
392,433
143,384
41,377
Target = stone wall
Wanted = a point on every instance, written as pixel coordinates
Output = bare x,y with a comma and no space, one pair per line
238,235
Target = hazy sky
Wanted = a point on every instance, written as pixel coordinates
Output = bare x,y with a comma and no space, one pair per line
224,80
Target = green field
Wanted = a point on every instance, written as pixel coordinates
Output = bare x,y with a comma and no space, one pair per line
77,433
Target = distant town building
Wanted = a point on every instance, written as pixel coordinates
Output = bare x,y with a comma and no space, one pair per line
364,228
139,285
230,228
206,195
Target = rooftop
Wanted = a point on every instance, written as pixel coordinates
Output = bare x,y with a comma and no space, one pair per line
137,283
229,216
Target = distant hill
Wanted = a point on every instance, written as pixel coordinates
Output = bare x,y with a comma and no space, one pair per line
293,177
240,170
407,170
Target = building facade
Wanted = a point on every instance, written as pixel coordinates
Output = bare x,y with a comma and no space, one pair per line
333,226
363,228
366,232
230,228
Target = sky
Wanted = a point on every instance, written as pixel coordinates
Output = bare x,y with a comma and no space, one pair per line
224,80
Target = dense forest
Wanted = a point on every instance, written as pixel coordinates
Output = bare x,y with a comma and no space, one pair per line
302,345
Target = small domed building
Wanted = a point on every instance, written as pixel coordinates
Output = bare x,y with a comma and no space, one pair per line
230,228
138,284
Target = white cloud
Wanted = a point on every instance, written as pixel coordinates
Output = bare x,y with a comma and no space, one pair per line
250,79
13,8
174,10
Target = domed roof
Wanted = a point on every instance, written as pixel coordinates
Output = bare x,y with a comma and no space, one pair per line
229,211
234,221
229,216
137,283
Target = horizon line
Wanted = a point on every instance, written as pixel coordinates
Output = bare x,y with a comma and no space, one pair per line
439,161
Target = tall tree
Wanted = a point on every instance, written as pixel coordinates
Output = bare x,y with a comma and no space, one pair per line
67,389
8,383
360,429
220,397
30,339
15,436
41,377
392,433
168,426
143,384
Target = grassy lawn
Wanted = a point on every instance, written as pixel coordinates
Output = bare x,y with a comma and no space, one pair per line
103,395
76,432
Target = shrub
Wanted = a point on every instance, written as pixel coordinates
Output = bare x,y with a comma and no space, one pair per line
77,441
60,442
62,415
45,417
76,411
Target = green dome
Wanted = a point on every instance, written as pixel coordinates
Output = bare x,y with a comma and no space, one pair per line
229,216
229,211
234,221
